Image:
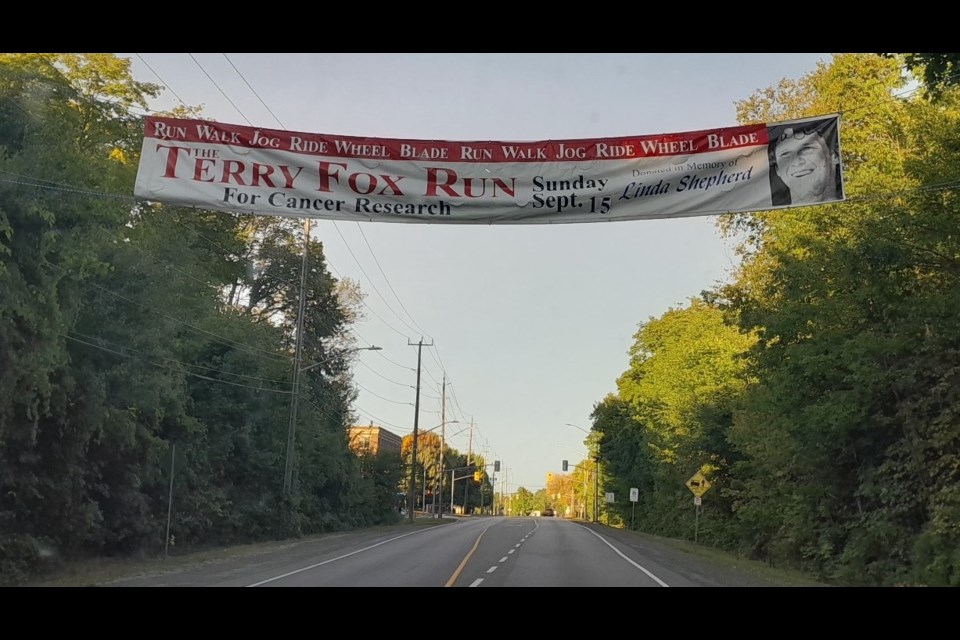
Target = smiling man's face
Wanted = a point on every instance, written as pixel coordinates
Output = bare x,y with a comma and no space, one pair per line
804,164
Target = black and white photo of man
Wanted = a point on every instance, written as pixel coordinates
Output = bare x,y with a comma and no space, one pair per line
805,162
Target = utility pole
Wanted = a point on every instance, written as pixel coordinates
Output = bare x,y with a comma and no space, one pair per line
485,454
466,485
506,486
443,440
453,483
298,354
173,457
503,500
412,493
596,489
583,510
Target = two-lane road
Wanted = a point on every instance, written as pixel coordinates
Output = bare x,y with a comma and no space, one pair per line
466,552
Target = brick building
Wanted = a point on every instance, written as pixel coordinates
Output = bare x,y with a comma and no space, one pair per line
373,439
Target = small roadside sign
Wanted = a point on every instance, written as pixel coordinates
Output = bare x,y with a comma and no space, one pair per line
634,494
697,500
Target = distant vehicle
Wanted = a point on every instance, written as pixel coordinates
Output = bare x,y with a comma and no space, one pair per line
548,512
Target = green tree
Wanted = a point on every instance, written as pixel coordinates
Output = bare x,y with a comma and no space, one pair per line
673,414
937,70
64,129
851,303
522,502
131,328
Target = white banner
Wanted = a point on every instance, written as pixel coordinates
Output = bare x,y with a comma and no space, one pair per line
212,165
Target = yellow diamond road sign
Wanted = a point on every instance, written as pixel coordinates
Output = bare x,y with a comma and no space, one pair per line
698,484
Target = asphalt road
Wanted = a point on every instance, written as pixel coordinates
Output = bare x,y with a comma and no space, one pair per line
465,552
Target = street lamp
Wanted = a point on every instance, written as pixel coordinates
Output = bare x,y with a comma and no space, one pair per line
596,477
294,405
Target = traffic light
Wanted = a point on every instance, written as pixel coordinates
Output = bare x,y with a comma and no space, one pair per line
564,465
477,475
496,466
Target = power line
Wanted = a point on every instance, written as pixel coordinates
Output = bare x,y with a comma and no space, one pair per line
364,303
372,284
329,263
453,394
292,284
162,262
162,81
59,186
409,386
47,133
334,222
396,364
387,280
220,90
321,410
188,373
52,187
427,371
254,91
370,415
228,252
402,366
224,340
17,105
381,397
436,358
901,94
47,184
185,274
186,364
364,340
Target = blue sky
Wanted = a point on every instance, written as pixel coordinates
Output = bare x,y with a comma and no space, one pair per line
531,324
